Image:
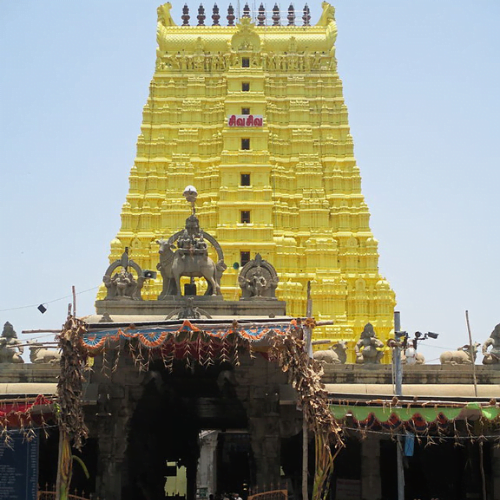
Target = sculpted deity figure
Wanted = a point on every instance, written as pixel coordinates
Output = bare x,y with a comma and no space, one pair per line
123,281
11,349
256,283
123,285
493,356
367,347
191,240
258,280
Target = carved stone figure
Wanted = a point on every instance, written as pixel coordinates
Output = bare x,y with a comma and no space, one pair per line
123,285
368,347
165,268
258,280
40,354
164,15
493,356
335,355
188,311
327,16
191,240
11,349
190,259
461,356
245,38
410,353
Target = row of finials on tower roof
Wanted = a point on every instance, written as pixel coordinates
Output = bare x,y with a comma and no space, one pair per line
261,16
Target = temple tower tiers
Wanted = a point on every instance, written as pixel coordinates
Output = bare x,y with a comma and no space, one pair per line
253,115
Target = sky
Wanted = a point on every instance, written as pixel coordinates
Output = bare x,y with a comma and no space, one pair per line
421,86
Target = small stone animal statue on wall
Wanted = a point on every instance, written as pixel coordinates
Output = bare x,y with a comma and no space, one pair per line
461,356
335,355
40,354
411,353
368,347
493,356
11,349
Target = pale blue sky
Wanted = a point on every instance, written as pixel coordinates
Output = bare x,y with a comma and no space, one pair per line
421,86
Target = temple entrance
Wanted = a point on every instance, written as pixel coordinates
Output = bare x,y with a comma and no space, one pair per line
166,424
235,461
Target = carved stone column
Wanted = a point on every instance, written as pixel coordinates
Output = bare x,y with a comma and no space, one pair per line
207,465
264,427
113,418
265,441
371,485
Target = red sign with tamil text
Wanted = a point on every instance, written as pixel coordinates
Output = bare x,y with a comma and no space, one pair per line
245,120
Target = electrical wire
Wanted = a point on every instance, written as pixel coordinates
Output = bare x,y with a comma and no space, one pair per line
50,301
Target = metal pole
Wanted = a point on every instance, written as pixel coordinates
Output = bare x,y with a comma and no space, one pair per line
397,357
399,392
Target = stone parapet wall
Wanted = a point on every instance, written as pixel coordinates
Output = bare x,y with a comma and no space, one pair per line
416,374
28,373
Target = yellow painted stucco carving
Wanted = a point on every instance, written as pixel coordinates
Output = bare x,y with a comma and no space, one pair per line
308,217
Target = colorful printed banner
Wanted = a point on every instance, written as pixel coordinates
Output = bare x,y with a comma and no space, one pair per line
158,336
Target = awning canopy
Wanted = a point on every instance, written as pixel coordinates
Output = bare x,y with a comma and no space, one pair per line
173,335
418,419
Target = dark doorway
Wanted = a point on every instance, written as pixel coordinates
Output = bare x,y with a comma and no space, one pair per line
443,471
174,408
235,465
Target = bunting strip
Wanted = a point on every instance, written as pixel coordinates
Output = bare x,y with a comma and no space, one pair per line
166,336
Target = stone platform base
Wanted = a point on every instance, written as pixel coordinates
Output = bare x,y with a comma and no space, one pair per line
215,306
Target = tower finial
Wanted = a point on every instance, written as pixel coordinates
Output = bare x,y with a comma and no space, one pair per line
185,15
262,15
215,15
230,15
201,15
276,15
191,194
307,16
291,16
246,10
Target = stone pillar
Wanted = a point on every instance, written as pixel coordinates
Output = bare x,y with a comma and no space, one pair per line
265,440
112,428
207,465
371,485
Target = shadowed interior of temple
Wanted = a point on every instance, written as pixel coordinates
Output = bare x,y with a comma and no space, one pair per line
166,424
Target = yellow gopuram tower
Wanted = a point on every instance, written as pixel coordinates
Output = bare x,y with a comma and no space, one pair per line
254,117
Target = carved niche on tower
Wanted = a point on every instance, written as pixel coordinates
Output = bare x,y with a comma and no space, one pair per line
245,39
258,280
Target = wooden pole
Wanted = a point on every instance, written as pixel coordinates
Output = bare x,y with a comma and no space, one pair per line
64,466
472,354
41,331
481,464
305,433
73,290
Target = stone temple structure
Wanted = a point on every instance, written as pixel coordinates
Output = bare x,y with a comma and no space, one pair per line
252,113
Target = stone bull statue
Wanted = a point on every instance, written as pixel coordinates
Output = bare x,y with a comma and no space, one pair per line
40,354
462,356
173,265
335,354
410,356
